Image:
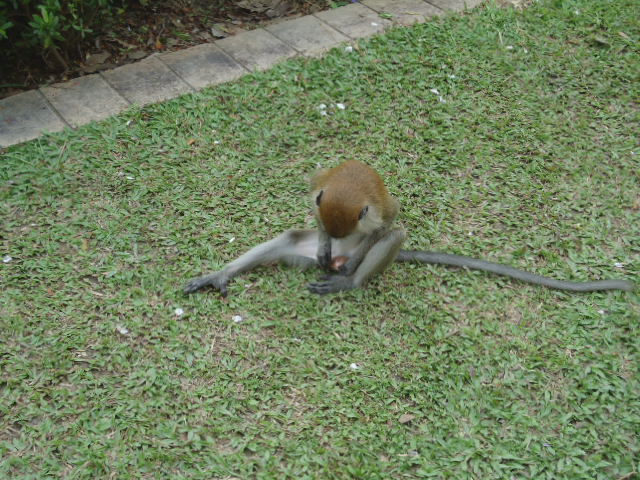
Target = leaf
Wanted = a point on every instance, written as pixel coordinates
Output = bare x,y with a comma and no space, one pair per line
406,418
601,40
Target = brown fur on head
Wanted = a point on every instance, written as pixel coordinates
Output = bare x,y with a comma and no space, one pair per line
346,194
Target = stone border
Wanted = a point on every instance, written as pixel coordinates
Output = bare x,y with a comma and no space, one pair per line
28,115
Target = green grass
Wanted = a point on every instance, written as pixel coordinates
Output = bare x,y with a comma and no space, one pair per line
530,162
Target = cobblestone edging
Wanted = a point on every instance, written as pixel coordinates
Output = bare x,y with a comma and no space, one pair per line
94,97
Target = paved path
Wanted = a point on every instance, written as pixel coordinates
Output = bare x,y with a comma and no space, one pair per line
159,77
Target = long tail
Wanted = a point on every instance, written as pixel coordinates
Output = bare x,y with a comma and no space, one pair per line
476,264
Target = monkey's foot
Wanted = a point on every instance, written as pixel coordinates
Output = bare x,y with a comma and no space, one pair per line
217,280
331,284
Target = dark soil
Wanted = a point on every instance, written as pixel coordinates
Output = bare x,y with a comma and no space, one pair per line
161,26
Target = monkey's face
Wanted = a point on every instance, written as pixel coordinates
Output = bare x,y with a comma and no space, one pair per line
333,210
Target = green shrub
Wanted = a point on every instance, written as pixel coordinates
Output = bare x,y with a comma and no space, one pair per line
53,25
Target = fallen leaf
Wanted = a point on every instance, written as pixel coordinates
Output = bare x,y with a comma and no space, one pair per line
97,58
125,44
406,418
137,54
218,32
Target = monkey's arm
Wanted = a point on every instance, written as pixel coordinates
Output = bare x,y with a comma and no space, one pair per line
324,249
294,247
497,268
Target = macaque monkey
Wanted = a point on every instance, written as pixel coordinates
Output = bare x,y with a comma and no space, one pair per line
357,238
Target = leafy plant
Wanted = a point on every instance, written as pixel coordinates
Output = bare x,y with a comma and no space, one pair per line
51,25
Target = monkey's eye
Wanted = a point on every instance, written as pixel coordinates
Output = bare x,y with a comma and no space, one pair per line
363,212
319,197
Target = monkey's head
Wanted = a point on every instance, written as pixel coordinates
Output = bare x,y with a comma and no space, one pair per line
351,198
339,212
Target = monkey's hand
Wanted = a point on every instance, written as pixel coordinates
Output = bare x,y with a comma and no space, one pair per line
331,284
324,261
217,280
348,268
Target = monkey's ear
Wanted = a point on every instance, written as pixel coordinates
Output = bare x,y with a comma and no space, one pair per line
363,212
319,197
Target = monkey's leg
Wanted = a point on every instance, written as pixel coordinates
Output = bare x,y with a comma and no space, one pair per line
381,254
358,255
294,247
497,268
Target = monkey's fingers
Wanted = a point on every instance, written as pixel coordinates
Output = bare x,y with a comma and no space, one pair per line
200,282
319,288
330,284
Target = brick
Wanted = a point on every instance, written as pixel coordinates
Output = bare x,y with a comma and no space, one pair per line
307,35
455,5
147,81
256,49
355,20
404,12
203,65
84,99
26,116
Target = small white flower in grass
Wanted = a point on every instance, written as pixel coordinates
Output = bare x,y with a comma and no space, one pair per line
340,106
7,259
216,142
232,239
601,312
122,330
237,318
618,265
323,113
348,49
129,177
354,366
509,47
322,106
435,91
179,312
452,76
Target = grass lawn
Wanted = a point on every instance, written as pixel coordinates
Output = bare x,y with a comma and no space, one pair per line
529,154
